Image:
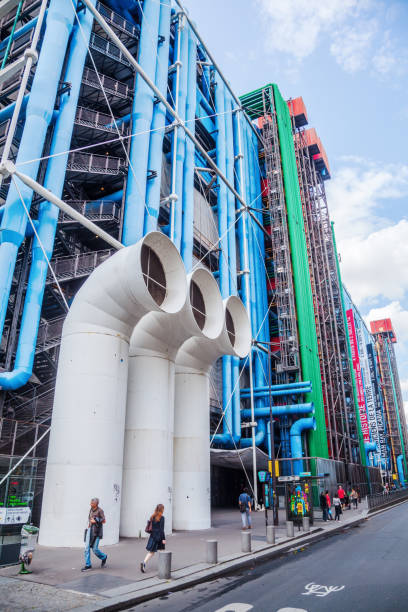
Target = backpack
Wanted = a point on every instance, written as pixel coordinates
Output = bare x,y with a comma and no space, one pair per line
241,506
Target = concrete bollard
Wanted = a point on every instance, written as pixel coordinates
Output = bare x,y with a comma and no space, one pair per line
306,524
290,529
164,564
212,551
245,541
270,534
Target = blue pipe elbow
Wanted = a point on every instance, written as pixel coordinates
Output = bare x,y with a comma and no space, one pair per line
296,441
400,468
259,436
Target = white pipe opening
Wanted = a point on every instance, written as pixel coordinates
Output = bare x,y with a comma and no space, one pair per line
148,456
192,494
85,456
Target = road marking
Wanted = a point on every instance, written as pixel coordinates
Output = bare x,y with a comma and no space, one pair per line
236,607
320,590
292,610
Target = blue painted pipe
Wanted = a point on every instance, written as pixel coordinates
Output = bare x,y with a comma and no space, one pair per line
289,387
400,467
290,409
277,393
189,156
48,213
296,441
127,8
38,117
237,125
182,32
20,32
142,113
7,112
155,160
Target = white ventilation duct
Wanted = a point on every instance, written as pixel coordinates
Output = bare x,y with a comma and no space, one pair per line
192,495
148,456
85,454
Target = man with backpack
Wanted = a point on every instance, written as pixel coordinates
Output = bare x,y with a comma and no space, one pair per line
245,508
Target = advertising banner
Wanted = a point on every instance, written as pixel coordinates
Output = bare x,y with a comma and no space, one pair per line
359,379
378,406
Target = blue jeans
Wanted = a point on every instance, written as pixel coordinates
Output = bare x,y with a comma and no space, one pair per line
246,518
95,549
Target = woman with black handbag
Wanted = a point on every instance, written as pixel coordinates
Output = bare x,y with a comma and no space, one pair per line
157,539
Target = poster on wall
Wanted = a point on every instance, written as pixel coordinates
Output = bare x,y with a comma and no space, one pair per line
14,516
359,379
378,408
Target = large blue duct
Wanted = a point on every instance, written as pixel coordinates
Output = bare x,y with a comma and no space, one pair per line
189,157
7,112
48,213
296,441
38,116
20,32
142,113
400,468
155,160
290,409
266,392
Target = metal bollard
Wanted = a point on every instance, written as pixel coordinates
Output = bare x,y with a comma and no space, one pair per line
212,551
245,541
270,534
164,564
290,529
306,524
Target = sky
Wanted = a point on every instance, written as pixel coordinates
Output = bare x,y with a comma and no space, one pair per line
348,59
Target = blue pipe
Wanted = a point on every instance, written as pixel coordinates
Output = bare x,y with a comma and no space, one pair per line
39,113
296,441
155,160
400,467
182,32
48,213
276,393
127,8
189,157
237,125
142,113
289,387
7,112
290,409
20,32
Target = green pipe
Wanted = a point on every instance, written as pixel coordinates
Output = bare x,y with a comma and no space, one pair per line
396,405
10,40
353,377
309,354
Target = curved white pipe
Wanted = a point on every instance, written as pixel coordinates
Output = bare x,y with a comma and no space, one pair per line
148,456
85,454
192,496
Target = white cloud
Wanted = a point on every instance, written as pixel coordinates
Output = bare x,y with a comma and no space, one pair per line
352,29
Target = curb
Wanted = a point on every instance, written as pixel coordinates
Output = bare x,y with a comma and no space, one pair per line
123,602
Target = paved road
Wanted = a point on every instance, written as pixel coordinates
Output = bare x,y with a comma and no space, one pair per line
364,569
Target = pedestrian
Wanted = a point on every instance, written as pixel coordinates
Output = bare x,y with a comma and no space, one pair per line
323,505
341,494
245,508
348,498
354,498
337,507
329,512
157,539
93,534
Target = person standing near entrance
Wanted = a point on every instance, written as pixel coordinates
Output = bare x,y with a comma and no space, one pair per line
245,507
323,504
341,494
337,507
93,534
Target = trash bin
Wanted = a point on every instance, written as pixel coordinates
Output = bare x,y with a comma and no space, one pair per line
29,537
10,543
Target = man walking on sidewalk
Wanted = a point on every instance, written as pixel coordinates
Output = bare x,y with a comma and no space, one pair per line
323,505
94,533
244,503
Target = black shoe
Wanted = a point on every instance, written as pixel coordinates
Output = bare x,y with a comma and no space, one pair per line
86,567
143,568
104,561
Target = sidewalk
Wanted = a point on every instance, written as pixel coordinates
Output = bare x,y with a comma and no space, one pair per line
57,583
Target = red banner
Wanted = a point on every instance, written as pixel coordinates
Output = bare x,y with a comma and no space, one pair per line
357,371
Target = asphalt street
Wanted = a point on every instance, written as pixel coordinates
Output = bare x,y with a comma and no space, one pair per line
361,569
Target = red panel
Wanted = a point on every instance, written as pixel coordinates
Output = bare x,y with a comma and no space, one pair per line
383,326
264,187
297,110
271,284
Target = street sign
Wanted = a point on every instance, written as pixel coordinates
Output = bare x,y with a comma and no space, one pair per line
288,478
264,476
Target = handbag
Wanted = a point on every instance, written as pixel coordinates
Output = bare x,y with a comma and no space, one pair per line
149,526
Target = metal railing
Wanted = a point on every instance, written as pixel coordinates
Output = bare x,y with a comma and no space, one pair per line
95,164
80,265
119,22
107,48
105,210
381,500
49,334
94,119
112,86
